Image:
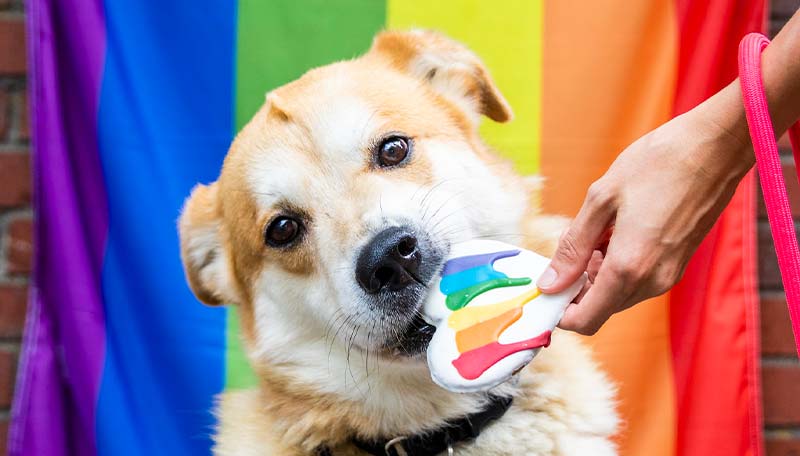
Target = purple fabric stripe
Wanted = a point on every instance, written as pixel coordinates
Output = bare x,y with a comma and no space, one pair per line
63,350
473,261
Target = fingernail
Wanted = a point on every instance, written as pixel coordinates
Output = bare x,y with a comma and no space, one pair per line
547,278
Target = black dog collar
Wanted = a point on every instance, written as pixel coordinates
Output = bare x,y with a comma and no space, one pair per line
440,440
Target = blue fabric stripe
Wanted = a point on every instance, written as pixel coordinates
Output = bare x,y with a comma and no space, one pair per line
165,123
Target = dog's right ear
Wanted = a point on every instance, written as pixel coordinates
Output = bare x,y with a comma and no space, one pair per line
205,261
448,67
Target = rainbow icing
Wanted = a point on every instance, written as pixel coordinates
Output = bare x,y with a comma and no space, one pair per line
478,328
486,329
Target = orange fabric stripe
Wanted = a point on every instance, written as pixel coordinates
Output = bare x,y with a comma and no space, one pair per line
609,77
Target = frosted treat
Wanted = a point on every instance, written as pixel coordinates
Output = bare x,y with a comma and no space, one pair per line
490,317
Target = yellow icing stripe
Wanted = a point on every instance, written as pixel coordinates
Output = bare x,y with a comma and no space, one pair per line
507,36
468,316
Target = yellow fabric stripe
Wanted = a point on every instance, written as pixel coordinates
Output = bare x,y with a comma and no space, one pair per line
507,36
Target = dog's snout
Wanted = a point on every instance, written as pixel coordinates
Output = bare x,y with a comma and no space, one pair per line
390,261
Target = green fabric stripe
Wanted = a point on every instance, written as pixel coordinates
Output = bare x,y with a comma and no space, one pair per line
238,373
278,41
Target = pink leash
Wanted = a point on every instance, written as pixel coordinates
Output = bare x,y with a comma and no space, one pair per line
769,170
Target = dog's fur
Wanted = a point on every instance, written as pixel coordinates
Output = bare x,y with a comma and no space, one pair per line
314,338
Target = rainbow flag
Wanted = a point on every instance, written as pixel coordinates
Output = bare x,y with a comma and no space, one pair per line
133,102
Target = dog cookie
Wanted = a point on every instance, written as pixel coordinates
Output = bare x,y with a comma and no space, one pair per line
490,317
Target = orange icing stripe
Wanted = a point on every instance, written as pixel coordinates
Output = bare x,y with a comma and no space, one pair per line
486,332
469,316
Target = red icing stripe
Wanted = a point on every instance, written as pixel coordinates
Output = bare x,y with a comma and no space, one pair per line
473,363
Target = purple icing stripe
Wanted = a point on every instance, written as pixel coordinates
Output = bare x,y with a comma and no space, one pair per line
64,346
459,264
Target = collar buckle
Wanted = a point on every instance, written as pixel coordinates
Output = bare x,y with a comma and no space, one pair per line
395,446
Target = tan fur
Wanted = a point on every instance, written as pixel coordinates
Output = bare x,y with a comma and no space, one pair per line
308,152
559,406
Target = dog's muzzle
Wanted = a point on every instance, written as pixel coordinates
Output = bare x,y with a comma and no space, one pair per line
394,269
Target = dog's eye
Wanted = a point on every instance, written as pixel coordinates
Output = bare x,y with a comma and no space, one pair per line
392,151
282,231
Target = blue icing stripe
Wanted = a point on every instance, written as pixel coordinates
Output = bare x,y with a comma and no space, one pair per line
454,282
459,264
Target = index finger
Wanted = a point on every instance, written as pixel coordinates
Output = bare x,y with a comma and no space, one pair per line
608,293
578,243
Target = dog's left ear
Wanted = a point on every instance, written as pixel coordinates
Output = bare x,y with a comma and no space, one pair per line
204,257
449,67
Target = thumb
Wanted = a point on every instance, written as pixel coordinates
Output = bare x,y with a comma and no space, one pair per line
576,246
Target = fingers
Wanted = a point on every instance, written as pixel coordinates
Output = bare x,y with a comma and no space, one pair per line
577,244
623,274
600,301
594,265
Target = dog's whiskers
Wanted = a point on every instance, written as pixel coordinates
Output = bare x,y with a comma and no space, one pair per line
444,203
451,214
336,335
350,343
338,315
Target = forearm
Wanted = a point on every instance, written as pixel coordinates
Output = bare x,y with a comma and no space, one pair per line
781,74
725,110
657,216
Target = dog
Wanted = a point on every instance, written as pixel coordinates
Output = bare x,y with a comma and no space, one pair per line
334,210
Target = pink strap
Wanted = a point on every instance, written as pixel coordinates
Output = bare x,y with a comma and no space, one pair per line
769,171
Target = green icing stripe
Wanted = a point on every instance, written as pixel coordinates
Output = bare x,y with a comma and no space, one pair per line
278,41
461,298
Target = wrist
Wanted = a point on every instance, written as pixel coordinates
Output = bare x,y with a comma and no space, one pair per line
723,119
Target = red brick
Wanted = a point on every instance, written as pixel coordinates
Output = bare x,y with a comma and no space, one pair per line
8,370
12,45
13,302
24,132
776,328
782,10
781,393
769,275
792,189
15,179
20,246
783,447
3,436
5,109
784,143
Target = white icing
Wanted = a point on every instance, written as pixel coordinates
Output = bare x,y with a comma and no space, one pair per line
540,315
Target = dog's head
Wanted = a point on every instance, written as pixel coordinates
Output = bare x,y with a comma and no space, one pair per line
338,201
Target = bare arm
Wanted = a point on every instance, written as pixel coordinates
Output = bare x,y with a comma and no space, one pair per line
658,215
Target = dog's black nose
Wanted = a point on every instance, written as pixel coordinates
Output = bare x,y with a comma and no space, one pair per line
390,261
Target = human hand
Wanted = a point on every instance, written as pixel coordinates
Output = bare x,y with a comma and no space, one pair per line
643,219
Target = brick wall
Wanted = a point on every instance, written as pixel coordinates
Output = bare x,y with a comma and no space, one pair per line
780,367
15,200
781,370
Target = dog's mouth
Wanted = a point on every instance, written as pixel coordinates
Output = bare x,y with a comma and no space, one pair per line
413,341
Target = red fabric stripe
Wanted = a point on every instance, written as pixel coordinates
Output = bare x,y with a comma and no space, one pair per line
714,309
